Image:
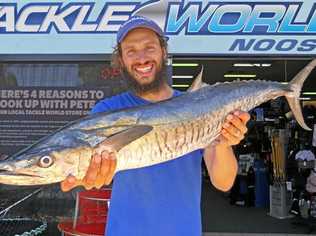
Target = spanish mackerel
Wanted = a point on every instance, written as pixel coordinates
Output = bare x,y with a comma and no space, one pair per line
146,135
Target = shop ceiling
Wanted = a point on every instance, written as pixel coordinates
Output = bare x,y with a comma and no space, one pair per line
228,70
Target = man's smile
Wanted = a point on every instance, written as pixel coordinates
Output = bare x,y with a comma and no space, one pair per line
144,70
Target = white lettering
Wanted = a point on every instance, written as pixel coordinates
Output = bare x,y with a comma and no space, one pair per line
58,19
8,14
21,24
105,24
78,25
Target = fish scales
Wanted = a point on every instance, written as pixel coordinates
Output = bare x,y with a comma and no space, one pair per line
211,118
146,135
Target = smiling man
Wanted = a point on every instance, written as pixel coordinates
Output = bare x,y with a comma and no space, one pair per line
143,63
163,199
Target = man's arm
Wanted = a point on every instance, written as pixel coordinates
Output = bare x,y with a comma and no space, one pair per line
219,157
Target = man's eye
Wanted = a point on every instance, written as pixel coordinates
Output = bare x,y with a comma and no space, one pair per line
151,49
130,52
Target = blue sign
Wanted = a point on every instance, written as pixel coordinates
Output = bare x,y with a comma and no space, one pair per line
196,27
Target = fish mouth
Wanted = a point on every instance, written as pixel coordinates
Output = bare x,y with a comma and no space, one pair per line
11,173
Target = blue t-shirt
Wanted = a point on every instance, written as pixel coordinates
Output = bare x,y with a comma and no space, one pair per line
159,200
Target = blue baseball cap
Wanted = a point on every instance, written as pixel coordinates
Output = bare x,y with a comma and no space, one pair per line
137,22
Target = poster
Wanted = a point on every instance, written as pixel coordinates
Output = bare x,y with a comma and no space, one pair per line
38,103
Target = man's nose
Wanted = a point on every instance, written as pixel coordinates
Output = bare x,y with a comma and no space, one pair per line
141,56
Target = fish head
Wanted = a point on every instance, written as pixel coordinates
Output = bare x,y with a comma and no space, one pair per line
45,163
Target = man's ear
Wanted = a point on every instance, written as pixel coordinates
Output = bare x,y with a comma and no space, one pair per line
120,63
164,54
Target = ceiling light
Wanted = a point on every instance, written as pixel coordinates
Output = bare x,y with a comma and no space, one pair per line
182,76
252,64
180,85
185,64
309,93
240,76
243,65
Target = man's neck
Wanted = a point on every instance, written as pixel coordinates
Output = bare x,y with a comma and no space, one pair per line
163,93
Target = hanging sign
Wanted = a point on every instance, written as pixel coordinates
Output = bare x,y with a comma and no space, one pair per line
196,27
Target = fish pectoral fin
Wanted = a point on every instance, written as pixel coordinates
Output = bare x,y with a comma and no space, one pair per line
117,141
105,131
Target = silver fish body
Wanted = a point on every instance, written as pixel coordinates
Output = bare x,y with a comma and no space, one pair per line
145,135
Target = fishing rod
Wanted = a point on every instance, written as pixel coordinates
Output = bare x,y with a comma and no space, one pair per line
4,211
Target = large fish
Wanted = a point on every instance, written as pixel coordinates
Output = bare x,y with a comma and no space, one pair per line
146,135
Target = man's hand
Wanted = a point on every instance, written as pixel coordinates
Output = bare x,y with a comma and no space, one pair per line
100,172
234,129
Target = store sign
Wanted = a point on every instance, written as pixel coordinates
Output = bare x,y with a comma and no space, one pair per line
194,27
64,18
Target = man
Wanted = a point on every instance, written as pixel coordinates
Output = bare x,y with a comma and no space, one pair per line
162,199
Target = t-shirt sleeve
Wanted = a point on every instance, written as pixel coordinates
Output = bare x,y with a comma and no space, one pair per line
108,104
101,106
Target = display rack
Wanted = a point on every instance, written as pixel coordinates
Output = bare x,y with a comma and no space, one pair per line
90,214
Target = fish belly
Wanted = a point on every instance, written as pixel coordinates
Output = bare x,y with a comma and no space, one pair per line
167,142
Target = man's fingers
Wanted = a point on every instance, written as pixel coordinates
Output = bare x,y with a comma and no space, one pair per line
234,127
111,170
104,174
104,169
69,183
107,169
231,139
232,130
236,123
92,172
244,116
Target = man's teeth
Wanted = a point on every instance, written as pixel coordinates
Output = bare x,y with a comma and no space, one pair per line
144,69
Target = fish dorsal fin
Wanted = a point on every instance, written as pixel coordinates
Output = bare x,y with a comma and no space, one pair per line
117,141
197,82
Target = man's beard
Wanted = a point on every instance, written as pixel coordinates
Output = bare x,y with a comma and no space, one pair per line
155,85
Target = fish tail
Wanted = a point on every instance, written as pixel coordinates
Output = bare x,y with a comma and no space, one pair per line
295,86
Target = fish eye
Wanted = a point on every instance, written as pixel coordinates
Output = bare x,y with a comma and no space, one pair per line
45,161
